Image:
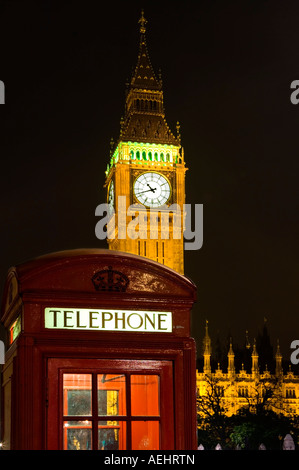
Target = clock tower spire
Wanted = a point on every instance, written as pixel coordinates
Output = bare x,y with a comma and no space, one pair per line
147,168
144,109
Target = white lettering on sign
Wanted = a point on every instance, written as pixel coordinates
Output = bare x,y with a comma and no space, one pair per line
108,320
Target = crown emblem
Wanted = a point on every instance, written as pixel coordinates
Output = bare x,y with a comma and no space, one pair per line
110,280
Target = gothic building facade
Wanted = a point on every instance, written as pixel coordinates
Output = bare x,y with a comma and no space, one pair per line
254,384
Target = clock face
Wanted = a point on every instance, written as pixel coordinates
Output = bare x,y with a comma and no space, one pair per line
152,189
111,196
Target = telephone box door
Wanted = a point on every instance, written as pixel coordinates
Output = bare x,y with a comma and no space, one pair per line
101,404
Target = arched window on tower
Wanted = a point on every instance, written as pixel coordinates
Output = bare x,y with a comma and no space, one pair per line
144,155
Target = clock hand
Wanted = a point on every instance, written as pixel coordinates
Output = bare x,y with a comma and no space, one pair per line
146,191
153,190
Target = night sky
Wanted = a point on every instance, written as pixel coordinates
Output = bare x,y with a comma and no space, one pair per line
227,68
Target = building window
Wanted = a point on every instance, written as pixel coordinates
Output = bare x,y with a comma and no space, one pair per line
243,392
111,411
290,393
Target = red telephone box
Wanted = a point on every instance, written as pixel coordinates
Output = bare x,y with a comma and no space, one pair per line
99,354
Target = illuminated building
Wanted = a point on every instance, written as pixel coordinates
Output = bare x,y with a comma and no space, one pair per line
147,168
247,387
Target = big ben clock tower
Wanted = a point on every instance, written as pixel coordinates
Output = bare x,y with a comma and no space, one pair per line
147,169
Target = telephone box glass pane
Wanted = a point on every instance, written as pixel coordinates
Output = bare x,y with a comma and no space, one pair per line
145,399
145,435
111,395
77,435
113,436
77,395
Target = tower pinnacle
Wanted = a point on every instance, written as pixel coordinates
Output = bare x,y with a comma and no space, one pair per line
144,119
207,351
142,21
231,359
255,358
278,357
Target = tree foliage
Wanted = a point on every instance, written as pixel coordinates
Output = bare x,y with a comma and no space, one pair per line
255,423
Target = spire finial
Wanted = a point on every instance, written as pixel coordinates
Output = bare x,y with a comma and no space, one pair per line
254,351
231,352
142,22
278,353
